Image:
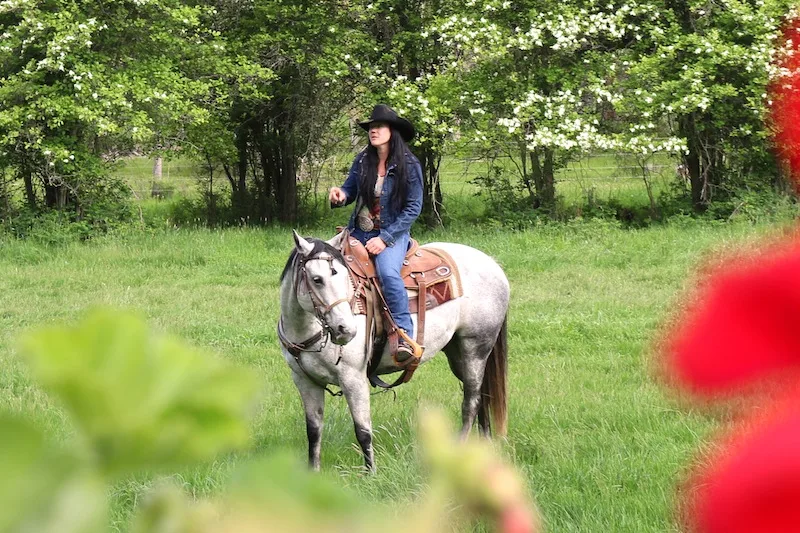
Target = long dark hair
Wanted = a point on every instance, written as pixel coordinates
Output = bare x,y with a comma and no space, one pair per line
369,172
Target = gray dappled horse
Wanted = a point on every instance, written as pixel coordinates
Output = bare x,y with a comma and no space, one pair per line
315,308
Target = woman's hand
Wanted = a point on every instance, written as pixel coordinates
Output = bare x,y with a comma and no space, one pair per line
375,245
337,196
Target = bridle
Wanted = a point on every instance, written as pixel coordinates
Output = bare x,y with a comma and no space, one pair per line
321,311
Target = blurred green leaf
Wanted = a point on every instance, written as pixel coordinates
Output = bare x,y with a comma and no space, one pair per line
277,493
269,494
167,509
42,490
141,401
281,482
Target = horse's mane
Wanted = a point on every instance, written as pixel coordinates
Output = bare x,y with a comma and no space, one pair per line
319,247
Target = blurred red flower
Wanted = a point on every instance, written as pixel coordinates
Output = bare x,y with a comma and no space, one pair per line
741,336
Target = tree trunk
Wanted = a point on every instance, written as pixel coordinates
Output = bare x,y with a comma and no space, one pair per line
239,197
287,178
212,200
228,174
431,187
30,196
263,157
526,176
697,176
549,180
543,175
538,179
156,189
55,194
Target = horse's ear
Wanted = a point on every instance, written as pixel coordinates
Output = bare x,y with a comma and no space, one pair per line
336,241
303,246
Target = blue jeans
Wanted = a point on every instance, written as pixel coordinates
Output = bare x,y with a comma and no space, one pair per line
388,264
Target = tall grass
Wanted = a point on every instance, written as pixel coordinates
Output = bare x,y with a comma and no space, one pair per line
600,442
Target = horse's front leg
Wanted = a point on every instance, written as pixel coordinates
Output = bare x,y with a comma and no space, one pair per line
314,405
356,391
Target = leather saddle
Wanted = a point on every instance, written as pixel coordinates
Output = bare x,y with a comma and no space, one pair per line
431,278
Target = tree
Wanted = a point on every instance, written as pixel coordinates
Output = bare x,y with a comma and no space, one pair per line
540,78
311,48
704,72
85,82
410,71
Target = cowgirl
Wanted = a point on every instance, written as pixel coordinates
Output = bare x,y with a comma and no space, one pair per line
385,182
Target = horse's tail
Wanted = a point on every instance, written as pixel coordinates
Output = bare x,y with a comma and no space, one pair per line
493,388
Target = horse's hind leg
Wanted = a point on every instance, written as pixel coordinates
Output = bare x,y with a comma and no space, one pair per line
484,423
467,357
314,405
356,392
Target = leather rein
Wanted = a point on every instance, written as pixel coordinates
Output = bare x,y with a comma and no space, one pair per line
321,309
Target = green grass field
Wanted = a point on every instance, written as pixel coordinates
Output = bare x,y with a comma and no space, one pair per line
601,445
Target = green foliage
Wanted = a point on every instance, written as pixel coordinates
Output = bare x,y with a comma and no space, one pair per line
292,489
262,91
506,203
167,509
84,83
42,488
140,401
52,228
144,402
109,212
755,204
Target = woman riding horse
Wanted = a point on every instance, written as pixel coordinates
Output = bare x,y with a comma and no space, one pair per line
385,181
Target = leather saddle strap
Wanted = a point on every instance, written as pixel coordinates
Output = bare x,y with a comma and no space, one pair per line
405,377
374,379
412,366
371,328
409,371
422,301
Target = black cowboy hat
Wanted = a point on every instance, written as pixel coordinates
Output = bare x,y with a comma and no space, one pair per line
384,113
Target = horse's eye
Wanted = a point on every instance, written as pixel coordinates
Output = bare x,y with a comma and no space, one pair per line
317,280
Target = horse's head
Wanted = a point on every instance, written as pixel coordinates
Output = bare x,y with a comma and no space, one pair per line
322,286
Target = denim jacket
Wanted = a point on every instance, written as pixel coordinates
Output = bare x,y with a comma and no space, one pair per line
393,223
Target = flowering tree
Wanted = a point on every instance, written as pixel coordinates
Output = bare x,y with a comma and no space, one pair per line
542,77
704,71
252,87
559,80
426,101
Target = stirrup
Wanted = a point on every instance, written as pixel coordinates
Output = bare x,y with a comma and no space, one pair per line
416,350
404,353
